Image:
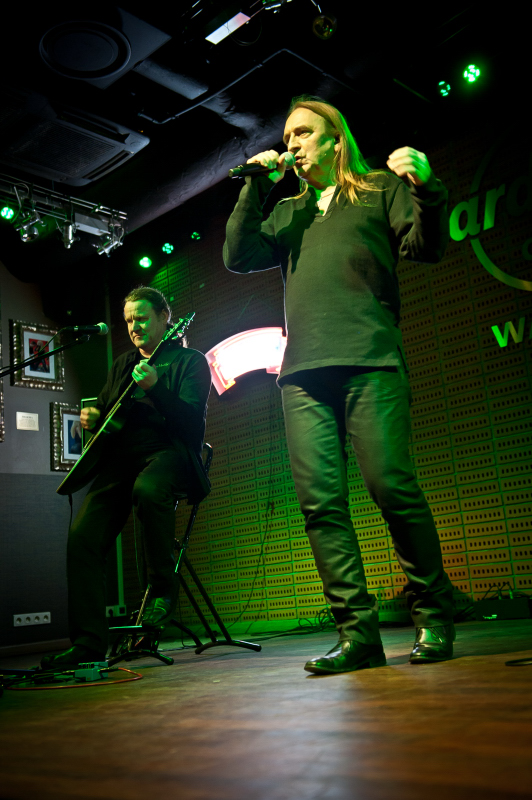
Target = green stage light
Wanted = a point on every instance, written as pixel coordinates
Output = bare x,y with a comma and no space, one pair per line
472,73
444,88
145,262
168,248
195,235
7,212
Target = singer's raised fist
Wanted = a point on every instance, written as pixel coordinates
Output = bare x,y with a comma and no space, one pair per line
410,163
271,160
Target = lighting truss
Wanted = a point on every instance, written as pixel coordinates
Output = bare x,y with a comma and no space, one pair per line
36,204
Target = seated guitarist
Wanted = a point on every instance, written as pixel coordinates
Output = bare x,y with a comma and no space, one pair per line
153,459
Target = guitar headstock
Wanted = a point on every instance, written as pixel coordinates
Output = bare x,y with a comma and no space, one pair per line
177,330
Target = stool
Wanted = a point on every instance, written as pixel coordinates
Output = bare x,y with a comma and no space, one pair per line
136,642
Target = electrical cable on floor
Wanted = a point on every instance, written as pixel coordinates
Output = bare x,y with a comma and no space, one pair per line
41,676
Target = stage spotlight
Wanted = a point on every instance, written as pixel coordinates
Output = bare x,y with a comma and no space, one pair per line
168,248
105,248
28,228
30,233
145,262
7,212
472,73
444,88
195,235
324,26
67,235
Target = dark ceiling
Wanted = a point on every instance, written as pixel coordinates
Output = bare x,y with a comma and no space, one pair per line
204,107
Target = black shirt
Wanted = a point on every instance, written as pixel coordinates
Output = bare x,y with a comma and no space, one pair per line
342,304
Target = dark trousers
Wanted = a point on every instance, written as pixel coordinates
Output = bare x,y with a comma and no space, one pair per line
151,483
372,407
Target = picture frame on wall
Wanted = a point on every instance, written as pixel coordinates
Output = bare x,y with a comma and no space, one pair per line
27,339
65,436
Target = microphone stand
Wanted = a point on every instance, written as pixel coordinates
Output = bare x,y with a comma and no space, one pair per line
41,356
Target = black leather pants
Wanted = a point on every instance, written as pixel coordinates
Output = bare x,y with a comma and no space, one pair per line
148,482
372,407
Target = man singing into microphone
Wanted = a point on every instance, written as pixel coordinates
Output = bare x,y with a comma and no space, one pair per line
344,372
155,458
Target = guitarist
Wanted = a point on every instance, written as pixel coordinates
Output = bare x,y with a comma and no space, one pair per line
154,458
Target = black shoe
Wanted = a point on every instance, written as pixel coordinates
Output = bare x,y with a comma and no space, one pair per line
71,659
433,644
347,656
158,612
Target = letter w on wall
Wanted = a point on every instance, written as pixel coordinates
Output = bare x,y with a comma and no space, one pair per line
517,336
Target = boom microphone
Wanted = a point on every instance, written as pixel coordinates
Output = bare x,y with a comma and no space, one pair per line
257,169
100,328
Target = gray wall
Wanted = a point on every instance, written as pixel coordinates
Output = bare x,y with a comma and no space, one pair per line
33,518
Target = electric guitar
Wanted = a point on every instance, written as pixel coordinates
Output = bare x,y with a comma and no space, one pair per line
86,467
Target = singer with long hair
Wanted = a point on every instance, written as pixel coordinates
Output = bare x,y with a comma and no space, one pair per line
337,243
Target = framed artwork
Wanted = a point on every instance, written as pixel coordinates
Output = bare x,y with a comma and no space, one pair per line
28,339
65,436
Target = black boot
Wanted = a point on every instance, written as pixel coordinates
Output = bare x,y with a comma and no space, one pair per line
433,644
347,656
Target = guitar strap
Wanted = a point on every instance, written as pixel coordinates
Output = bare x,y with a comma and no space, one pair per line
162,363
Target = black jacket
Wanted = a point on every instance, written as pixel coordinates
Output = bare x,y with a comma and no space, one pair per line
180,396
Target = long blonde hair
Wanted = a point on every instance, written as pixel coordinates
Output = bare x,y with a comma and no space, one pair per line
350,170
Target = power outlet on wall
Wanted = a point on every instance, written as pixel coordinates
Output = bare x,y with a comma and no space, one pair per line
32,618
115,611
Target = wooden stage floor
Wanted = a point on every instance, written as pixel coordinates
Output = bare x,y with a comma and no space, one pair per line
231,724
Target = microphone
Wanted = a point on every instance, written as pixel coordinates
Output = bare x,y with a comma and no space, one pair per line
100,328
257,169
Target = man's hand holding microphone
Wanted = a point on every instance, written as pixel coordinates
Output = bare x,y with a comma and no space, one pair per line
269,163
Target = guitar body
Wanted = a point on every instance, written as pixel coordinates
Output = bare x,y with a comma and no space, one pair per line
86,467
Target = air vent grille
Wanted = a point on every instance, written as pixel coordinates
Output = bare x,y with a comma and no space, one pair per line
52,144
61,143
112,163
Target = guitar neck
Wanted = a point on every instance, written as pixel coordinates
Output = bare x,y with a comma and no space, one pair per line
177,330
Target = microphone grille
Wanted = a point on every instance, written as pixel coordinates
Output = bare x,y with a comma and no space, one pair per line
104,330
289,160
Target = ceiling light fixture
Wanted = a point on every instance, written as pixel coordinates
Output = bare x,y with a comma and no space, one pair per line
38,205
67,235
472,73
224,25
28,227
324,26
